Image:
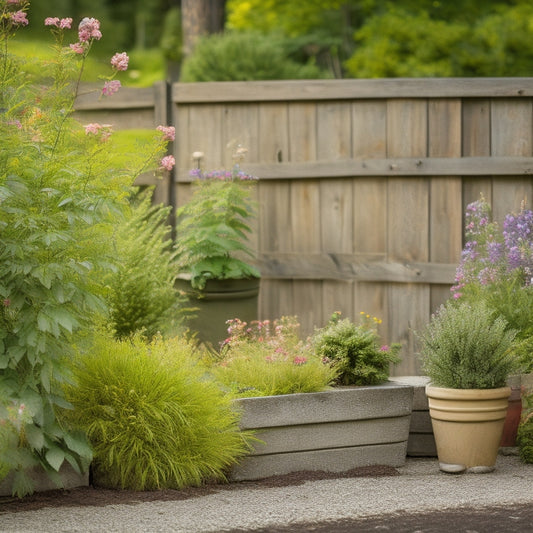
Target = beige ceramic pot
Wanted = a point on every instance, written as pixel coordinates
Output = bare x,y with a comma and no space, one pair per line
468,426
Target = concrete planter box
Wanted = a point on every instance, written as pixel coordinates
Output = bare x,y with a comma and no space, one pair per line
335,430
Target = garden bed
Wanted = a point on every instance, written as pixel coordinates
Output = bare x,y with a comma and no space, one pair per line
334,431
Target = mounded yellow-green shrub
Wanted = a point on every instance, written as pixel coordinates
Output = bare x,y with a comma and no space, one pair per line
153,418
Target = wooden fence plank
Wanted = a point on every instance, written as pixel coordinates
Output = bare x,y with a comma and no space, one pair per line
369,126
302,132
306,237
294,90
392,167
339,266
241,129
445,207
407,226
334,141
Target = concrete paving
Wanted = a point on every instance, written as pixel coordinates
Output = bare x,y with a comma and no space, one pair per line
420,487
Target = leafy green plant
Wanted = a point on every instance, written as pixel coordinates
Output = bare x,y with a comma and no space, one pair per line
212,227
142,294
497,267
267,358
524,438
466,347
13,419
60,197
243,56
355,350
153,418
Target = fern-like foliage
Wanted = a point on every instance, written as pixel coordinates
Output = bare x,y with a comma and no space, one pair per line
142,295
212,232
466,347
153,418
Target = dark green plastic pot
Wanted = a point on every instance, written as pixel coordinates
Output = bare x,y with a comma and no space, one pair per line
221,300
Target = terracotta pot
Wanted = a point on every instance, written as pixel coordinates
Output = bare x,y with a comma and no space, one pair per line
514,412
468,426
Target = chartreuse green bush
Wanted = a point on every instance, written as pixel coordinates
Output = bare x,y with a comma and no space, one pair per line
142,294
152,416
244,56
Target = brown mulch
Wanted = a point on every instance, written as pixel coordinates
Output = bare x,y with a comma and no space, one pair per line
95,496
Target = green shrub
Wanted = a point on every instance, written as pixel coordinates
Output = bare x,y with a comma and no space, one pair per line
153,418
142,294
355,350
525,431
466,347
236,56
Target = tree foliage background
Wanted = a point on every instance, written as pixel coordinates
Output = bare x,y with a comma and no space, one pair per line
344,38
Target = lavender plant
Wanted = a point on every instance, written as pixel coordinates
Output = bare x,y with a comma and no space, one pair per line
497,267
61,194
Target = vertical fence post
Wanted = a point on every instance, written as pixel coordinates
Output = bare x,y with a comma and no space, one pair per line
163,115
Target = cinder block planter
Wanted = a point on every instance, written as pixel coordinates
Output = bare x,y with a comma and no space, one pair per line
69,477
421,441
335,431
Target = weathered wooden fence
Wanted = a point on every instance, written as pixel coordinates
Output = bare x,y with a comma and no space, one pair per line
363,183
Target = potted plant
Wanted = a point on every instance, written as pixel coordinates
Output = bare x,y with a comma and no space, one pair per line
211,247
286,390
467,353
497,268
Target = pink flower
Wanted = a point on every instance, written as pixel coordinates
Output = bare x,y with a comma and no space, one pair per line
65,23
169,132
51,21
16,123
384,348
111,87
167,163
7,302
120,61
77,48
19,17
299,360
13,2
89,28
93,128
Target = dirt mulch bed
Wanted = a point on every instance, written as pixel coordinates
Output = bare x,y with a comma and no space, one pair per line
94,496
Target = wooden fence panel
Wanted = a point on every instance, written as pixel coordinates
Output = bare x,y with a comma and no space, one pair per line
363,183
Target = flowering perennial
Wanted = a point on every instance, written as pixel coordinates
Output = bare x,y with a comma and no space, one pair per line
491,255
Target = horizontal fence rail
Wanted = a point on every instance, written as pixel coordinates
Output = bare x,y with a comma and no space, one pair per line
362,183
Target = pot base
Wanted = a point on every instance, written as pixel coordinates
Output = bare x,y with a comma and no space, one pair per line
461,469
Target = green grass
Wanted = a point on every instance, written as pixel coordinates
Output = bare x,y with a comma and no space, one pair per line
145,66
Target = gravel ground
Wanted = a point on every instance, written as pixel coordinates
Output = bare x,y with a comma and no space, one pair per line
419,487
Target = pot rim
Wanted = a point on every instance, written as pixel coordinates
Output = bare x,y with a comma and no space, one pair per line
433,391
